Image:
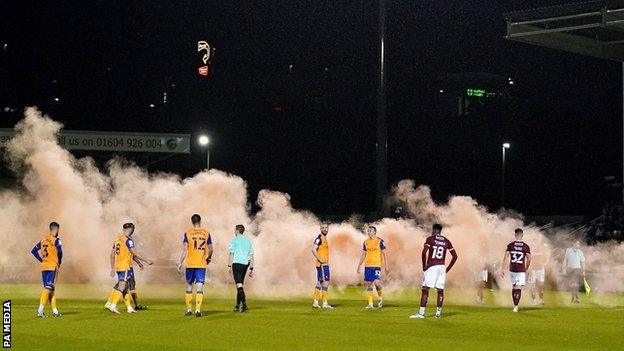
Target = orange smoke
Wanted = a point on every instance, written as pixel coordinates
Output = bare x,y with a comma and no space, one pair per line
91,204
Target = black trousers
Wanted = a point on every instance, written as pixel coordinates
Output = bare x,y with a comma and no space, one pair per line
239,271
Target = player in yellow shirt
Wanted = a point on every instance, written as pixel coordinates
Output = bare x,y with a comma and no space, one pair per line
121,257
132,293
320,250
49,252
195,256
374,257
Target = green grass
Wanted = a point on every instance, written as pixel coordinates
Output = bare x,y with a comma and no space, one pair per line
596,323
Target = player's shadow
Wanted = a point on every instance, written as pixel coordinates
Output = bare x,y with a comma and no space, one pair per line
386,305
255,308
531,308
212,313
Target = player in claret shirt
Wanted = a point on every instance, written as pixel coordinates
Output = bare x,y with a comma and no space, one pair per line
519,255
434,265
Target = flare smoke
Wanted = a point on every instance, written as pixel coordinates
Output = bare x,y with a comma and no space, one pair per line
91,204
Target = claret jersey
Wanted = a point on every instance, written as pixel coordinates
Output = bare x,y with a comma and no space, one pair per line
438,246
518,251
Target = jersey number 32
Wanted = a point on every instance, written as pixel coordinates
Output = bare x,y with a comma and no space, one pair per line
517,257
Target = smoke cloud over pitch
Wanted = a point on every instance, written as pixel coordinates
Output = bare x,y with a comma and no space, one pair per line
91,204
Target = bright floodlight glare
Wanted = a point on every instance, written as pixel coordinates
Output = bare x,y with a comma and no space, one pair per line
203,140
506,145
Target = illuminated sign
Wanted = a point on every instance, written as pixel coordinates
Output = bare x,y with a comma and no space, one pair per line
479,92
203,71
205,68
476,92
201,46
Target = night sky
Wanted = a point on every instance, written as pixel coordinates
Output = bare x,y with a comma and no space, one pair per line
309,130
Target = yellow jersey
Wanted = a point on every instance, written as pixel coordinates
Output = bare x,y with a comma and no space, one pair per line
373,247
123,255
197,240
322,248
50,252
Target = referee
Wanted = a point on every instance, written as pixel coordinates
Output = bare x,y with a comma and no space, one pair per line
574,268
241,258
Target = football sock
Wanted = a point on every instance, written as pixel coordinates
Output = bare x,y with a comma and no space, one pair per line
199,297
134,296
317,293
440,298
126,299
240,296
43,300
110,296
370,295
424,297
45,297
515,294
379,293
116,297
421,311
324,293
53,302
188,298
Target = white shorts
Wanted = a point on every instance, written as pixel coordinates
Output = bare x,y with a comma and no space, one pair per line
518,278
435,277
481,276
537,275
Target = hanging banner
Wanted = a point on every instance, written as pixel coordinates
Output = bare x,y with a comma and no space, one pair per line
116,141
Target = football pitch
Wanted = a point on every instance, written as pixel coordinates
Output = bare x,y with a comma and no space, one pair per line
291,324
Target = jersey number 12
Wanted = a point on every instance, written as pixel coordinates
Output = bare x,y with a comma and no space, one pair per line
201,244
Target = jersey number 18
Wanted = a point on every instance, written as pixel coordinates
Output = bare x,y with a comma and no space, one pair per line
437,252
